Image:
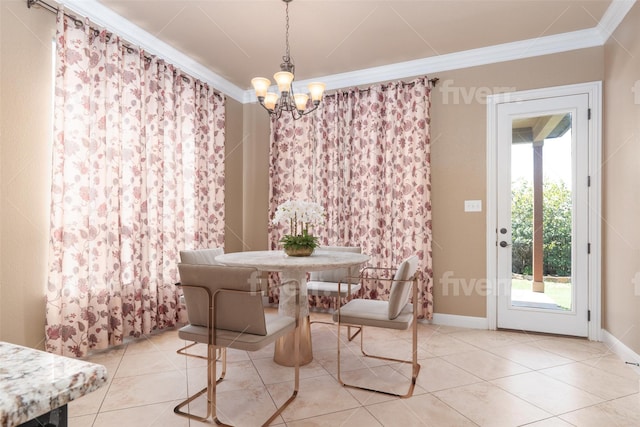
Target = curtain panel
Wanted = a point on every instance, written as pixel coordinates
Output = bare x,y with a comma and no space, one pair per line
365,157
138,174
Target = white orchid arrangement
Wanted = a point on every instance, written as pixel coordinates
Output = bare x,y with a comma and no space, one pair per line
300,215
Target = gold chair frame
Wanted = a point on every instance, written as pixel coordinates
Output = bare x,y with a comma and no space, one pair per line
414,339
210,389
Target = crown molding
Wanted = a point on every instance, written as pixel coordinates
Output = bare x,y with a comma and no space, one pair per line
512,51
546,45
106,18
613,16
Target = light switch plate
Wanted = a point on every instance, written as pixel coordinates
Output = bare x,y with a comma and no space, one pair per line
473,205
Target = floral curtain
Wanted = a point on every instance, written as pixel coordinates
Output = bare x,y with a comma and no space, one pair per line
365,157
138,174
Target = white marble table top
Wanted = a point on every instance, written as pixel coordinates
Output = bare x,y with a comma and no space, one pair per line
279,261
295,268
34,382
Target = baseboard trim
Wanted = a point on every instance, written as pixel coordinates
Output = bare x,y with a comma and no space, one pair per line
620,349
460,321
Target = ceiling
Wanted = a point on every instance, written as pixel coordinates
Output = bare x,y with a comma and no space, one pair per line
241,39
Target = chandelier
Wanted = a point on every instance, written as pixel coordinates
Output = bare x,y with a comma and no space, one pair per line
295,103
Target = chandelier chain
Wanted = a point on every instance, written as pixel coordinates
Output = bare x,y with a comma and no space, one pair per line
287,57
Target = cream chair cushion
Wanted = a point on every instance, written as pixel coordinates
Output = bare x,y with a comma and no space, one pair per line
401,286
200,256
375,313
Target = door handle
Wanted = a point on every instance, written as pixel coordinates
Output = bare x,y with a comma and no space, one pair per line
504,244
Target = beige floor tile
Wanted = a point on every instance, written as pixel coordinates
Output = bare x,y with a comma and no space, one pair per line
593,380
127,392
397,349
365,397
240,375
530,355
488,405
317,396
551,422
488,339
573,348
82,421
613,365
244,407
110,358
485,365
157,415
272,373
443,329
351,418
438,374
424,409
388,378
547,393
150,362
350,359
158,341
445,344
623,412
323,337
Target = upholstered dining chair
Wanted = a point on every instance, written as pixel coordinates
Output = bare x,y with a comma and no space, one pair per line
199,256
396,313
337,283
225,310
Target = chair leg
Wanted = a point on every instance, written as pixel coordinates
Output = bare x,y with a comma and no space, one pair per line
183,352
213,355
336,302
296,381
413,362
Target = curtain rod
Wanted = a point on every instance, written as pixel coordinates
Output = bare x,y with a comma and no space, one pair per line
78,22
46,6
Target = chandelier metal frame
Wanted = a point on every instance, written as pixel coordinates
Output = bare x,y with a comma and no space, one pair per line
288,101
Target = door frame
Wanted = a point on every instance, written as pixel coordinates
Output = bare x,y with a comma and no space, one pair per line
594,92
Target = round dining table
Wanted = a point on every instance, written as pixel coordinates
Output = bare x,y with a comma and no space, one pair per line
295,268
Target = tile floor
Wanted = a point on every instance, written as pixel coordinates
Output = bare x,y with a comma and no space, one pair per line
468,378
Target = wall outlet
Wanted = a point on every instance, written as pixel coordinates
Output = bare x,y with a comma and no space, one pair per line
473,205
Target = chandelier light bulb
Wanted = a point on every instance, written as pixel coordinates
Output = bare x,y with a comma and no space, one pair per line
301,101
270,100
260,85
316,89
283,79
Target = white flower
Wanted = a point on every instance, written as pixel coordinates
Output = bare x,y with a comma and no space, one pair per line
298,211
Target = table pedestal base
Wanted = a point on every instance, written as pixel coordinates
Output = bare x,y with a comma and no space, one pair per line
284,353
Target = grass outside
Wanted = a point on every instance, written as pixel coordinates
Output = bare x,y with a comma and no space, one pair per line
559,292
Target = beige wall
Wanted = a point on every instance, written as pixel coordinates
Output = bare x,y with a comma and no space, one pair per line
234,149
256,175
621,183
25,156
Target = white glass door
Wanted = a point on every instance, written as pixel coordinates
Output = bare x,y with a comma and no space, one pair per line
542,215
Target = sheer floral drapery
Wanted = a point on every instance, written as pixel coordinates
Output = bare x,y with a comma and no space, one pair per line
365,156
138,173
